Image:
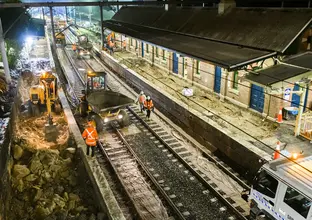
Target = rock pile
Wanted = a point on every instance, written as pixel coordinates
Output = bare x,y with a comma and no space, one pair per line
45,186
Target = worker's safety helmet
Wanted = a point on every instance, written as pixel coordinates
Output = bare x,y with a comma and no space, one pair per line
148,97
141,93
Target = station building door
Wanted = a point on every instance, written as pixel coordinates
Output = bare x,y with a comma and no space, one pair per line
217,81
257,98
295,99
175,63
142,44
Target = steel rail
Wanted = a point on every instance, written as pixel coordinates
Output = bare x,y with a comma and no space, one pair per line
151,177
119,178
210,157
140,163
186,164
195,173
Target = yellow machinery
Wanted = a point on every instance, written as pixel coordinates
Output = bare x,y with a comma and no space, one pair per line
45,95
59,36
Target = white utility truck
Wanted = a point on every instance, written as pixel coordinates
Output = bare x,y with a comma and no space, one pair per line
282,189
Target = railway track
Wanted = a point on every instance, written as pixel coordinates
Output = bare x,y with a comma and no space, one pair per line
199,191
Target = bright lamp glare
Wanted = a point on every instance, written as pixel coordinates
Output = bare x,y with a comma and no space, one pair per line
29,40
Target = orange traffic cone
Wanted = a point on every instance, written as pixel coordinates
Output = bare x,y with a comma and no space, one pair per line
276,154
280,116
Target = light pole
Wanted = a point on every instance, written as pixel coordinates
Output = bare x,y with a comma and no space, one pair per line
4,55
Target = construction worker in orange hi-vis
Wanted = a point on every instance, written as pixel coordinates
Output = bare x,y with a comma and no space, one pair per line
149,106
141,99
91,136
74,47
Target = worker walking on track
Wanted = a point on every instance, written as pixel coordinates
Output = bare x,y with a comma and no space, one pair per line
149,106
91,136
74,47
141,99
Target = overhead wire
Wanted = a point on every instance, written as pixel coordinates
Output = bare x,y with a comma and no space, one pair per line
217,116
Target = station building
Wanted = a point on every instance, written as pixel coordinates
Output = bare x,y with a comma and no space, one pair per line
226,50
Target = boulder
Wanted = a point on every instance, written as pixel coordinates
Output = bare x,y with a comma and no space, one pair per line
38,194
17,152
65,174
31,177
20,186
71,205
59,201
51,206
20,171
71,150
74,197
35,165
66,197
41,212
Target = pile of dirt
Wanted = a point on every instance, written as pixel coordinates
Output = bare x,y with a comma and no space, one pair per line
45,185
32,130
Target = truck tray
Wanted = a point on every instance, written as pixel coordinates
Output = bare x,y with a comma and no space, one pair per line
102,101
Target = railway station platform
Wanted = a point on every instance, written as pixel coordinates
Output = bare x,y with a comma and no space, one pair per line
238,133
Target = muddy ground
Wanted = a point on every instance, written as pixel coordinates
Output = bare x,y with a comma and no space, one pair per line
48,180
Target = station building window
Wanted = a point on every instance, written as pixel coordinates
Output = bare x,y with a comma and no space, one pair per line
131,42
198,67
157,52
136,44
164,55
147,49
235,80
297,202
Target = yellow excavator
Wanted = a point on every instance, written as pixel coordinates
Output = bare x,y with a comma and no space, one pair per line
44,96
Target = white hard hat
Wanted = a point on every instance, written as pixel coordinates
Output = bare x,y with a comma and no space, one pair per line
141,92
148,97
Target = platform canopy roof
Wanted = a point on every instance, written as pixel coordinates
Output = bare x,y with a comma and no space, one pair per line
292,67
224,55
238,37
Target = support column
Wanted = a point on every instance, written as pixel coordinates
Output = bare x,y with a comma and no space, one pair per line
66,14
4,56
301,107
75,15
102,28
42,10
53,32
153,55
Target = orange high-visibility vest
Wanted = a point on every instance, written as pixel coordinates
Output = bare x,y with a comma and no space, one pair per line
91,136
74,47
141,98
148,104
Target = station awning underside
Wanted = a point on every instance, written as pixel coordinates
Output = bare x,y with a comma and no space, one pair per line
290,68
221,54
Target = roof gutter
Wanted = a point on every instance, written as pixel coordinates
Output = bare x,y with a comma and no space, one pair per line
252,61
